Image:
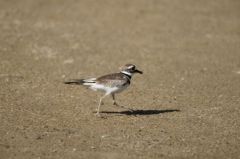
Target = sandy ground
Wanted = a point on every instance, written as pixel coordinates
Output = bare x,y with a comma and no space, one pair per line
187,101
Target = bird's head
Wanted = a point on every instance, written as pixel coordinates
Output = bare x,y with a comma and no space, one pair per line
130,69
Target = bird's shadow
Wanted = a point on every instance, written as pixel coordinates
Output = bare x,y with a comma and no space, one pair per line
141,112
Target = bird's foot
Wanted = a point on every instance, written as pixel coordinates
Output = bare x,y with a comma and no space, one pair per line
98,115
115,103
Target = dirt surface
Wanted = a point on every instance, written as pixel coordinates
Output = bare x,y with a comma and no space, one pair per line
187,101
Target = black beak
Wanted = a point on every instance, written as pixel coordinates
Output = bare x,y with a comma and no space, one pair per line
137,71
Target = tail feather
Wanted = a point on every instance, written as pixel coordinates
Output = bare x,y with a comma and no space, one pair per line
75,81
81,81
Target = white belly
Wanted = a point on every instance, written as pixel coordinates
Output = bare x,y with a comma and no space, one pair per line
108,90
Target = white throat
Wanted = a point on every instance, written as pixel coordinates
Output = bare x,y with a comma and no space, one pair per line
127,73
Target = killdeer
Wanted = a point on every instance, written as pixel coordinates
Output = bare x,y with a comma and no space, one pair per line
110,84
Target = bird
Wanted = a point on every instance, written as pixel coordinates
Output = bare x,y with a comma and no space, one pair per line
110,84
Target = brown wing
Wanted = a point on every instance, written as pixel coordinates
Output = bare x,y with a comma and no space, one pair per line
113,80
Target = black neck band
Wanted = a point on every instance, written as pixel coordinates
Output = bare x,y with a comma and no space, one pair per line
127,75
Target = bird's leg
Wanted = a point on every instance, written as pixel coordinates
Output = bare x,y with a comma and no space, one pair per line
116,104
114,101
99,105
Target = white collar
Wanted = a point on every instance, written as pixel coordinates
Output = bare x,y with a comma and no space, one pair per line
127,73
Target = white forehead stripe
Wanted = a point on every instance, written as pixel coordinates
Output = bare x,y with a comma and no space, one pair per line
131,66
